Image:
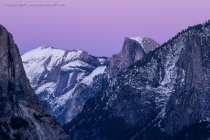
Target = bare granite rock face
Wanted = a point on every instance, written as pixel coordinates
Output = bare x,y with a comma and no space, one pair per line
21,113
133,50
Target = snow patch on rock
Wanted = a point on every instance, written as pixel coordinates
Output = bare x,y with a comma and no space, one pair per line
76,63
89,79
139,40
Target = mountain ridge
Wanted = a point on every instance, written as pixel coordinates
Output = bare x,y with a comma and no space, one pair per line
67,82
150,94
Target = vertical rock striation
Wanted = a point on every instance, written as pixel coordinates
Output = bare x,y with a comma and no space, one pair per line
21,113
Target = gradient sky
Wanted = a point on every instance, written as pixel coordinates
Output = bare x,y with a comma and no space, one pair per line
99,26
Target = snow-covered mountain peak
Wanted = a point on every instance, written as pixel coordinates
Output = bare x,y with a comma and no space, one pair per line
48,52
59,76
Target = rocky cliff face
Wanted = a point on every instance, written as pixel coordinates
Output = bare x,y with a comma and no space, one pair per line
133,49
165,95
21,113
191,101
64,79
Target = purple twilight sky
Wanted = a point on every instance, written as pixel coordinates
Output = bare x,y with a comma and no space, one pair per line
99,26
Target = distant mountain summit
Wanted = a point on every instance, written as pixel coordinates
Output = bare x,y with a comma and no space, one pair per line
133,50
21,113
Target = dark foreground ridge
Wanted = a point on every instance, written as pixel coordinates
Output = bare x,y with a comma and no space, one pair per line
165,95
21,113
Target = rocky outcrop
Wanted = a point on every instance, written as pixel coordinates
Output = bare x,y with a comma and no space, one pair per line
21,113
133,50
165,95
65,79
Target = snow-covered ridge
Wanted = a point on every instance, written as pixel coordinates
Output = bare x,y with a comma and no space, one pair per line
45,58
47,51
58,76
76,63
